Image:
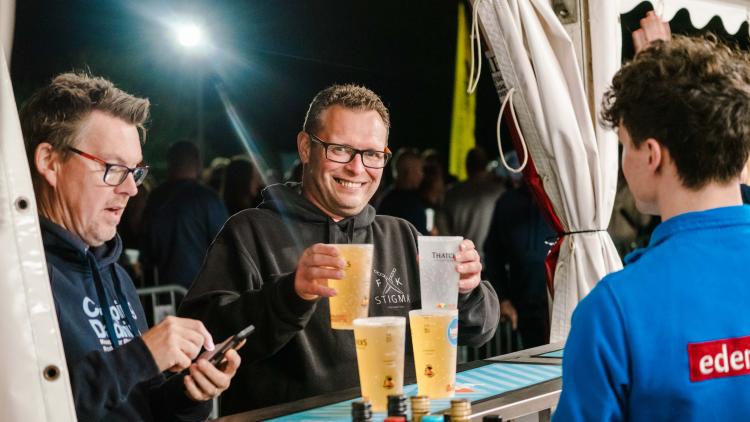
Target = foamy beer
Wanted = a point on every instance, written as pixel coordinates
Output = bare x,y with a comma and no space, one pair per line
352,298
380,358
434,335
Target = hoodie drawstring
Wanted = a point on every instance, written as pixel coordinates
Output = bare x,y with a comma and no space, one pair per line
126,309
350,231
332,227
335,229
104,302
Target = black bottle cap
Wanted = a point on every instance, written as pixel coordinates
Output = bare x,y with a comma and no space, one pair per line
361,411
397,405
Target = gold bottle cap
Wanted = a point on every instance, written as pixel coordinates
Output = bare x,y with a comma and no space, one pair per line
460,408
420,404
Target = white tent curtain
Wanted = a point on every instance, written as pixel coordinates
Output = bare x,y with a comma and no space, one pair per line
34,383
535,59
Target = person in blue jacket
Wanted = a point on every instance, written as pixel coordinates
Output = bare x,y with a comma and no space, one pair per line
84,150
667,338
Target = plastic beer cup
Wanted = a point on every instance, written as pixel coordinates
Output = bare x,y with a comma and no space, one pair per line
434,336
438,278
380,358
352,298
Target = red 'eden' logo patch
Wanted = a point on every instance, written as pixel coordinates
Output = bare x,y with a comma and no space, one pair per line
719,358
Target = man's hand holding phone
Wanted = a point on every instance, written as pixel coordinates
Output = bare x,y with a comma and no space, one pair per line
175,342
206,381
212,372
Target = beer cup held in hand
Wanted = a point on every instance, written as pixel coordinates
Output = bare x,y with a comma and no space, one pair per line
438,278
352,298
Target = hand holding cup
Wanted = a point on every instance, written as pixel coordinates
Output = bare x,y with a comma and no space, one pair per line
318,263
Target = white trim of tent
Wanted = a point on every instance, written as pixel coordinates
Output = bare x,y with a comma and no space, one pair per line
34,385
732,12
7,24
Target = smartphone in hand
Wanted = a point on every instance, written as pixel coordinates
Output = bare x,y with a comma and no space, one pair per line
216,356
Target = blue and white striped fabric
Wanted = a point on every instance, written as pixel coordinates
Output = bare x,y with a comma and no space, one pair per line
553,354
473,384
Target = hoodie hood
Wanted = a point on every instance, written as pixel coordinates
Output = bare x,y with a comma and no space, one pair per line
91,272
71,248
286,199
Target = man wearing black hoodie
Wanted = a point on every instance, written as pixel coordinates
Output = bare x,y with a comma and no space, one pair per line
83,145
263,266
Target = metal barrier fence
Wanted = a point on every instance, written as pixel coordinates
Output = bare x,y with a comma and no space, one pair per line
160,302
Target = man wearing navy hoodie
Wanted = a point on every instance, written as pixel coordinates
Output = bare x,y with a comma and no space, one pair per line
83,145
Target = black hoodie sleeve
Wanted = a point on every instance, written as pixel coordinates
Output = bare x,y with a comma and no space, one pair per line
169,402
478,315
230,293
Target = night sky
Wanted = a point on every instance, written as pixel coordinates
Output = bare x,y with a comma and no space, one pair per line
271,57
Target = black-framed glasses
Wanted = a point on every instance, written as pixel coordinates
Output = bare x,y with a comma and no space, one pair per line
344,153
115,174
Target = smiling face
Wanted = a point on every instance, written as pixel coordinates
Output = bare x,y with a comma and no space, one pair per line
342,190
78,198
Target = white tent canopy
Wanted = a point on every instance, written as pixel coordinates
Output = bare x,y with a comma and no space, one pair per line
606,41
604,18
733,13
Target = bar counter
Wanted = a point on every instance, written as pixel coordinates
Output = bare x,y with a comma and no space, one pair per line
509,386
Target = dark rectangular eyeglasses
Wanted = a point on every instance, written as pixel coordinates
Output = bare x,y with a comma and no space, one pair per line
343,154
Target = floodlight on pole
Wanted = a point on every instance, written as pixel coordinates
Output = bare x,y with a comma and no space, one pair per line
189,35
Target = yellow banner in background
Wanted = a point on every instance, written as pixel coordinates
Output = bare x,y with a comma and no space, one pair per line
464,105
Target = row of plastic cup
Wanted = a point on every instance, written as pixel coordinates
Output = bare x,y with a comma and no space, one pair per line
380,354
380,340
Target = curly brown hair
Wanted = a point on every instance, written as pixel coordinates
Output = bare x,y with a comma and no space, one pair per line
693,96
349,96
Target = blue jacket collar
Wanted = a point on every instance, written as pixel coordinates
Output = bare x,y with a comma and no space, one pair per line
696,220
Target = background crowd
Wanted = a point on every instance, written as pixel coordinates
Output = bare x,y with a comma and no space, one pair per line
171,223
